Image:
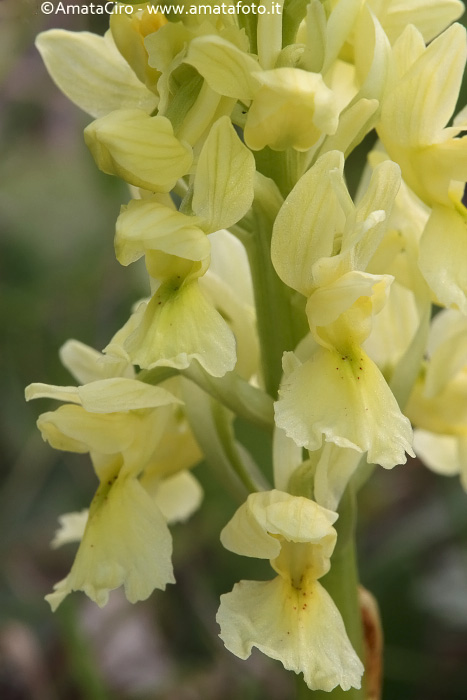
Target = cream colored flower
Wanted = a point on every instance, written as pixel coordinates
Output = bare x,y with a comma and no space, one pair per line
92,73
291,618
290,107
432,157
179,323
430,17
128,428
321,246
438,403
140,149
129,32
345,400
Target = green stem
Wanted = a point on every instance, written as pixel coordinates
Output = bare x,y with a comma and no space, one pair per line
238,457
274,311
212,425
285,167
231,391
237,394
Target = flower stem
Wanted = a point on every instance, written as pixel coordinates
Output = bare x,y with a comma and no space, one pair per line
274,310
212,425
233,392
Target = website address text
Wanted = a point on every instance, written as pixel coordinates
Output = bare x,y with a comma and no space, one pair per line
60,8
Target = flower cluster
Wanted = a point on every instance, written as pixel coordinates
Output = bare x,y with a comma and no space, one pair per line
272,294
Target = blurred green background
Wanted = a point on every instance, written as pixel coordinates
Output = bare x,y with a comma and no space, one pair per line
59,279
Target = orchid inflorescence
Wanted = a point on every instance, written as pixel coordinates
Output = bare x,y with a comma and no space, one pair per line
338,325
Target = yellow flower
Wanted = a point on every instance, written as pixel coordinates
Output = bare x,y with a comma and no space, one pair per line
140,149
185,97
438,403
398,252
290,107
126,542
430,17
228,285
416,109
340,314
179,323
291,618
433,160
129,33
321,245
323,476
443,252
345,400
122,423
320,235
92,73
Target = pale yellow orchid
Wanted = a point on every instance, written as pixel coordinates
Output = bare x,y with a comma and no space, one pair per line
140,149
290,107
228,285
399,330
398,252
179,323
291,618
430,17
438,403
129,32
126,426
432,159
321,246
187,100
309,318
345,43
322,477
348,42
92,73
103,74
